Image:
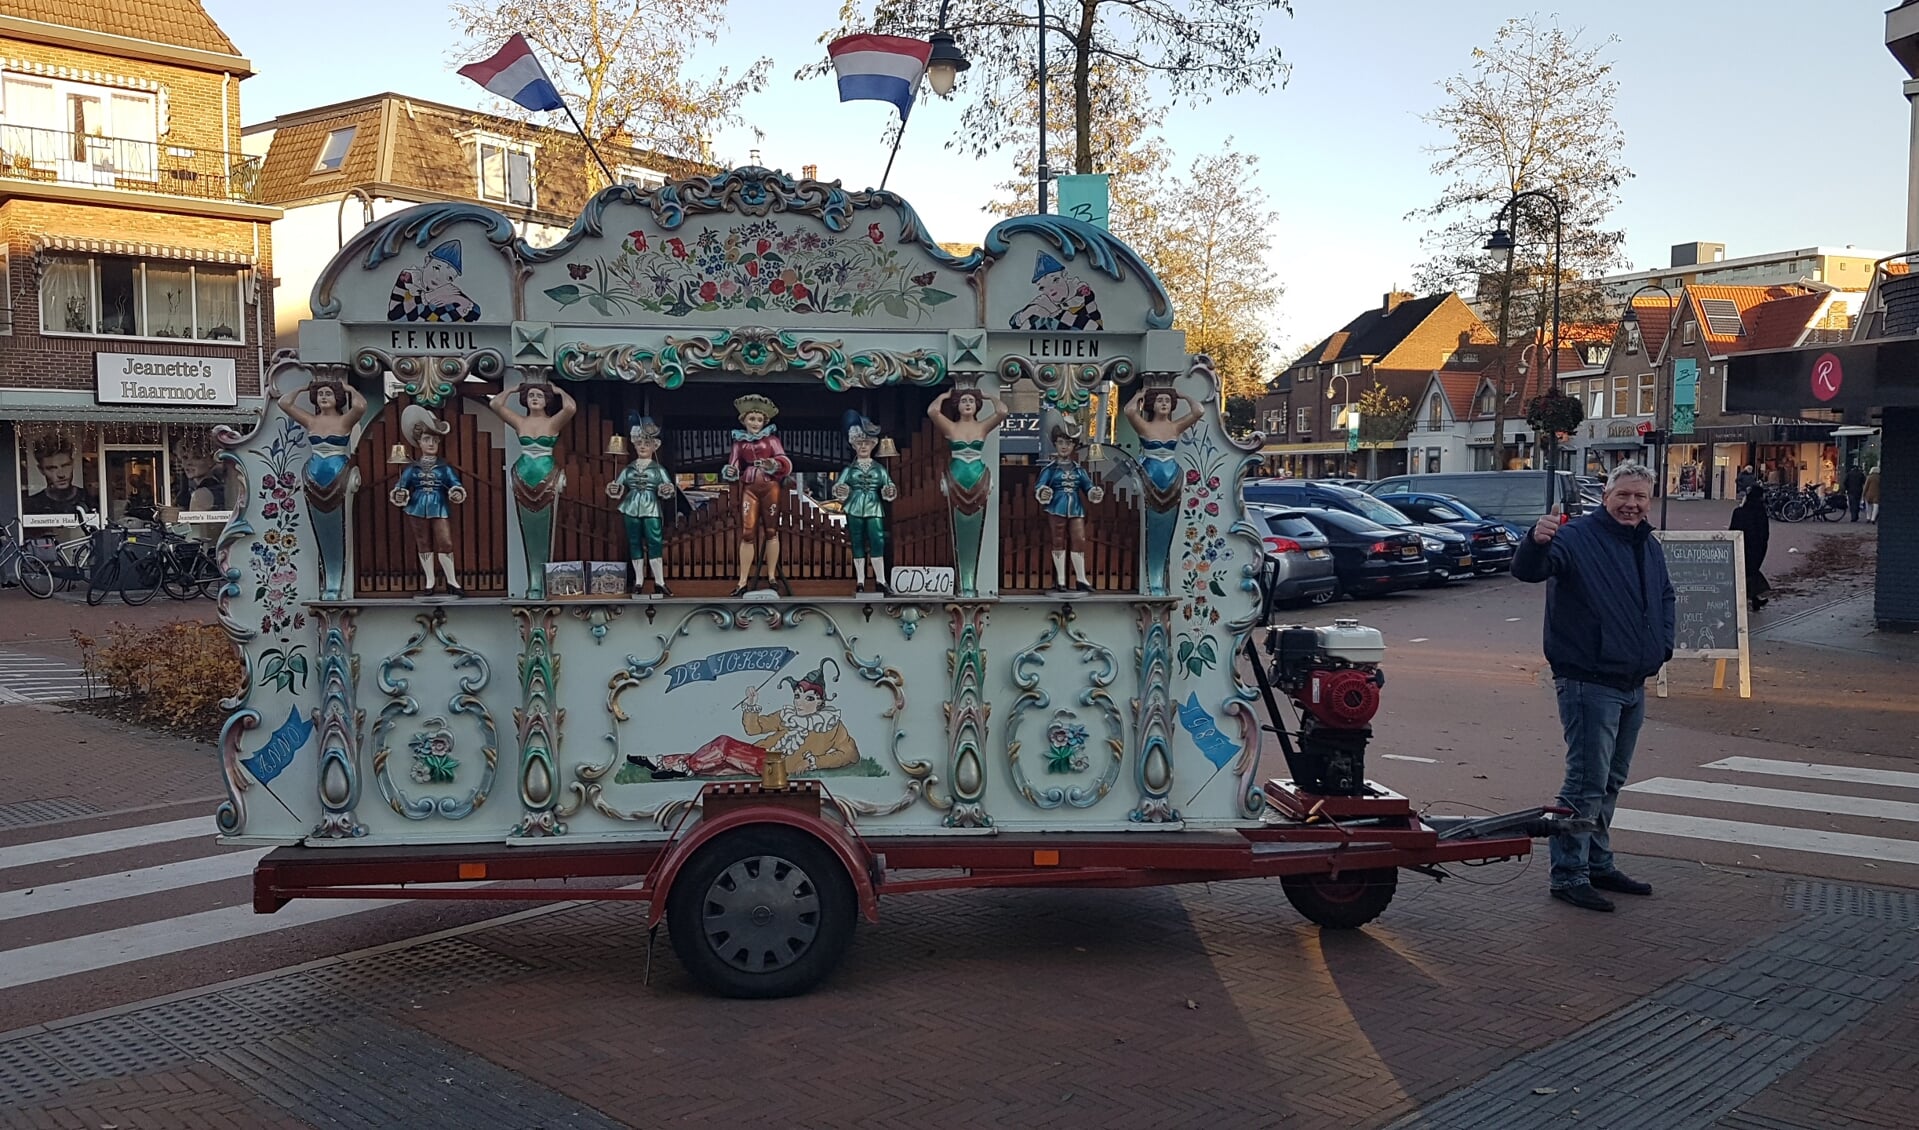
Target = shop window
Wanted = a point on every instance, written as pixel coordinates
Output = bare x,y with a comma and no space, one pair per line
1646,396
128,298
1432,460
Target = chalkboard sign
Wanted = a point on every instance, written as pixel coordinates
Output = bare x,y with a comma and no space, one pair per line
1708,571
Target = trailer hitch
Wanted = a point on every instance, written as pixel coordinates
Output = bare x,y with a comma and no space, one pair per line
1535,823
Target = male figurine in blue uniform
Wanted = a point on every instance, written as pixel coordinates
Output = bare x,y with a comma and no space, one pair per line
861,488
640,489
1064,491
425,488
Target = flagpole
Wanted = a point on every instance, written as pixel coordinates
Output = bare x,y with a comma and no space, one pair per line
610,178
897,136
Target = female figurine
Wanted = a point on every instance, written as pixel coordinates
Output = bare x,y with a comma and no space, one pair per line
861,488
759,464
425,488
640,489
957,413
1151,414
537,479
1065,490
329,477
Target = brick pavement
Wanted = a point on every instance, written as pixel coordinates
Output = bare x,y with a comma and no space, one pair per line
1195,1006
53,753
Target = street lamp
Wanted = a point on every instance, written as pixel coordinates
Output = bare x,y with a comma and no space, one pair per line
1501,243
1352,425
944,65
1634,341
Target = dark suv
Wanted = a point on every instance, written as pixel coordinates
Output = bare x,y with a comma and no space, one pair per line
1449,553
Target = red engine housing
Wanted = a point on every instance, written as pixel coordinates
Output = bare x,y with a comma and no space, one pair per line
1344,698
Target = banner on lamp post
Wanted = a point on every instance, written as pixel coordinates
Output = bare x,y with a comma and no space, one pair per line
1685,394
1084,196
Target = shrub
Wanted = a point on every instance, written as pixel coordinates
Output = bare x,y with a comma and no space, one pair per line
173,676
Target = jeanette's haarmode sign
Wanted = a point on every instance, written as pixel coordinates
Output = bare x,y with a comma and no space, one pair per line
148,378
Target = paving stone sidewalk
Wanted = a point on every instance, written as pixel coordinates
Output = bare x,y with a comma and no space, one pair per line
1735,1000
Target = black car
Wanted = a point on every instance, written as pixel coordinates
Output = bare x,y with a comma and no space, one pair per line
1369,558
1492,543
1299,564
1448,552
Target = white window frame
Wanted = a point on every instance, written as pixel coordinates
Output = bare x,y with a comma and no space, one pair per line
146,132
1648,395
508,148
1303,421
641,177
320,164
140,274
1435,414
1347,368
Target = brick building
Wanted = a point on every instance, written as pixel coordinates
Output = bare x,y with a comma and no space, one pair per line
336,169
1397,345
134,253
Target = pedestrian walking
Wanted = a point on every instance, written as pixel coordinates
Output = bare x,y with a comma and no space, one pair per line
1745,480
1870,495
1749,518
1855,489
1608,628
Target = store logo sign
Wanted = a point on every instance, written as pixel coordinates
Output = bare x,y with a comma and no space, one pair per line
150,378
1827,377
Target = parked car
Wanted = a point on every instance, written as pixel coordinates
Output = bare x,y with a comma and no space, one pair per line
1448,552
1301,564
1492,543
1516,498
1369,558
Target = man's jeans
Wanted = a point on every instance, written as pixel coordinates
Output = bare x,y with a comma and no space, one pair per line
1602,727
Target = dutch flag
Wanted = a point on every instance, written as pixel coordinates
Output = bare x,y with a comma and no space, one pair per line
883,68
516,75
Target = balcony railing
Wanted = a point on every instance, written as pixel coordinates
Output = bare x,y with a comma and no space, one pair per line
52,156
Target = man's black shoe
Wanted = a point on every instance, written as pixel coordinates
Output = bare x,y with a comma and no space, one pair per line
1583,897
1618,883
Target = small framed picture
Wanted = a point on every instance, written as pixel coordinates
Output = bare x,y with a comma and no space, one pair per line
565,579
606,578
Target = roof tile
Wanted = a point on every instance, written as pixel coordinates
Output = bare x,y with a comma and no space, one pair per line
181,23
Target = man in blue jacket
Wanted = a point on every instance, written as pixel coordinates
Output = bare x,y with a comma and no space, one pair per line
1609,627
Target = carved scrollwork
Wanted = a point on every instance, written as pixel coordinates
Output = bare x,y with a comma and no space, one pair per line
1067,385
1026,676
464,701
634,364
429,381
759,351
877,368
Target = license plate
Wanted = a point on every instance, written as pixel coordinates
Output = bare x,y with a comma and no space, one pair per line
1319,554
1467,561
1409,551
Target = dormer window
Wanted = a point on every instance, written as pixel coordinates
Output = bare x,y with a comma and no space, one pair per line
641,178
505,171
333,153
1487,401
1435,414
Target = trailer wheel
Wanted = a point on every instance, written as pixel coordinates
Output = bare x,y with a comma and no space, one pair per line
1347,902
761,912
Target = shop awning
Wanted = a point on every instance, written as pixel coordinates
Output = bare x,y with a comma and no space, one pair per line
86,245
1303,449
124,414
1616,444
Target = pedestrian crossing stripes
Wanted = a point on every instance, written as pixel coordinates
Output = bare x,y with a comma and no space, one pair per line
26,677
1828,823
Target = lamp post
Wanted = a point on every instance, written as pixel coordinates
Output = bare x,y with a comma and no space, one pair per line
946,62
1501,244
1634,340
1353,427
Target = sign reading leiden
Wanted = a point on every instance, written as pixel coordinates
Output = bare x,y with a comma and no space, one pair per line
160,379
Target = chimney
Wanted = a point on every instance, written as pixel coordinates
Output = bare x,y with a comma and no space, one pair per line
809,172
1393,299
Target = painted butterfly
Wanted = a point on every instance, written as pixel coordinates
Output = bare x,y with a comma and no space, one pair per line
925,279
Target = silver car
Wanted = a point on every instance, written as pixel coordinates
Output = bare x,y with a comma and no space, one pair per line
1299,561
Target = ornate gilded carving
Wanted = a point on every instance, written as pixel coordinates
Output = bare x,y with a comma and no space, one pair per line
465,700
633,364
967,713
538,722
598,618
876,368
1153,717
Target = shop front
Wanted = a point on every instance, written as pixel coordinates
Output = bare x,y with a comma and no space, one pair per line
1307,460
139,448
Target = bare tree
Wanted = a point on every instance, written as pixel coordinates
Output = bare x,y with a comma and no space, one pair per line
1215,227
1534,111
1125,147
1198,48
623,65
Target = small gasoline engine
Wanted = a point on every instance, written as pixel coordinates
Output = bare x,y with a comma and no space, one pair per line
1332,674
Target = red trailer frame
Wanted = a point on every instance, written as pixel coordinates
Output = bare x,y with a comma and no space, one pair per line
1338,857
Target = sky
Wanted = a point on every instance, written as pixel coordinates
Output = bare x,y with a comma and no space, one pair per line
1761,124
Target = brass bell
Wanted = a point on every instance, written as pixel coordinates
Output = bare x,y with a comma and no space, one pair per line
616,444
887,448
399,454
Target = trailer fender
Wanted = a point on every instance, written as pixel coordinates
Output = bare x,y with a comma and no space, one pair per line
855,858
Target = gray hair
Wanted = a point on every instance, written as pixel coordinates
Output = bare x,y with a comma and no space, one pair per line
1630,470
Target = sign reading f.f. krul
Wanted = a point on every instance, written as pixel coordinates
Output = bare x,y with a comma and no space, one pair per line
150,378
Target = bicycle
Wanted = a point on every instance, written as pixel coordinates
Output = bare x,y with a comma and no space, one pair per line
123,562
188,567
28,567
